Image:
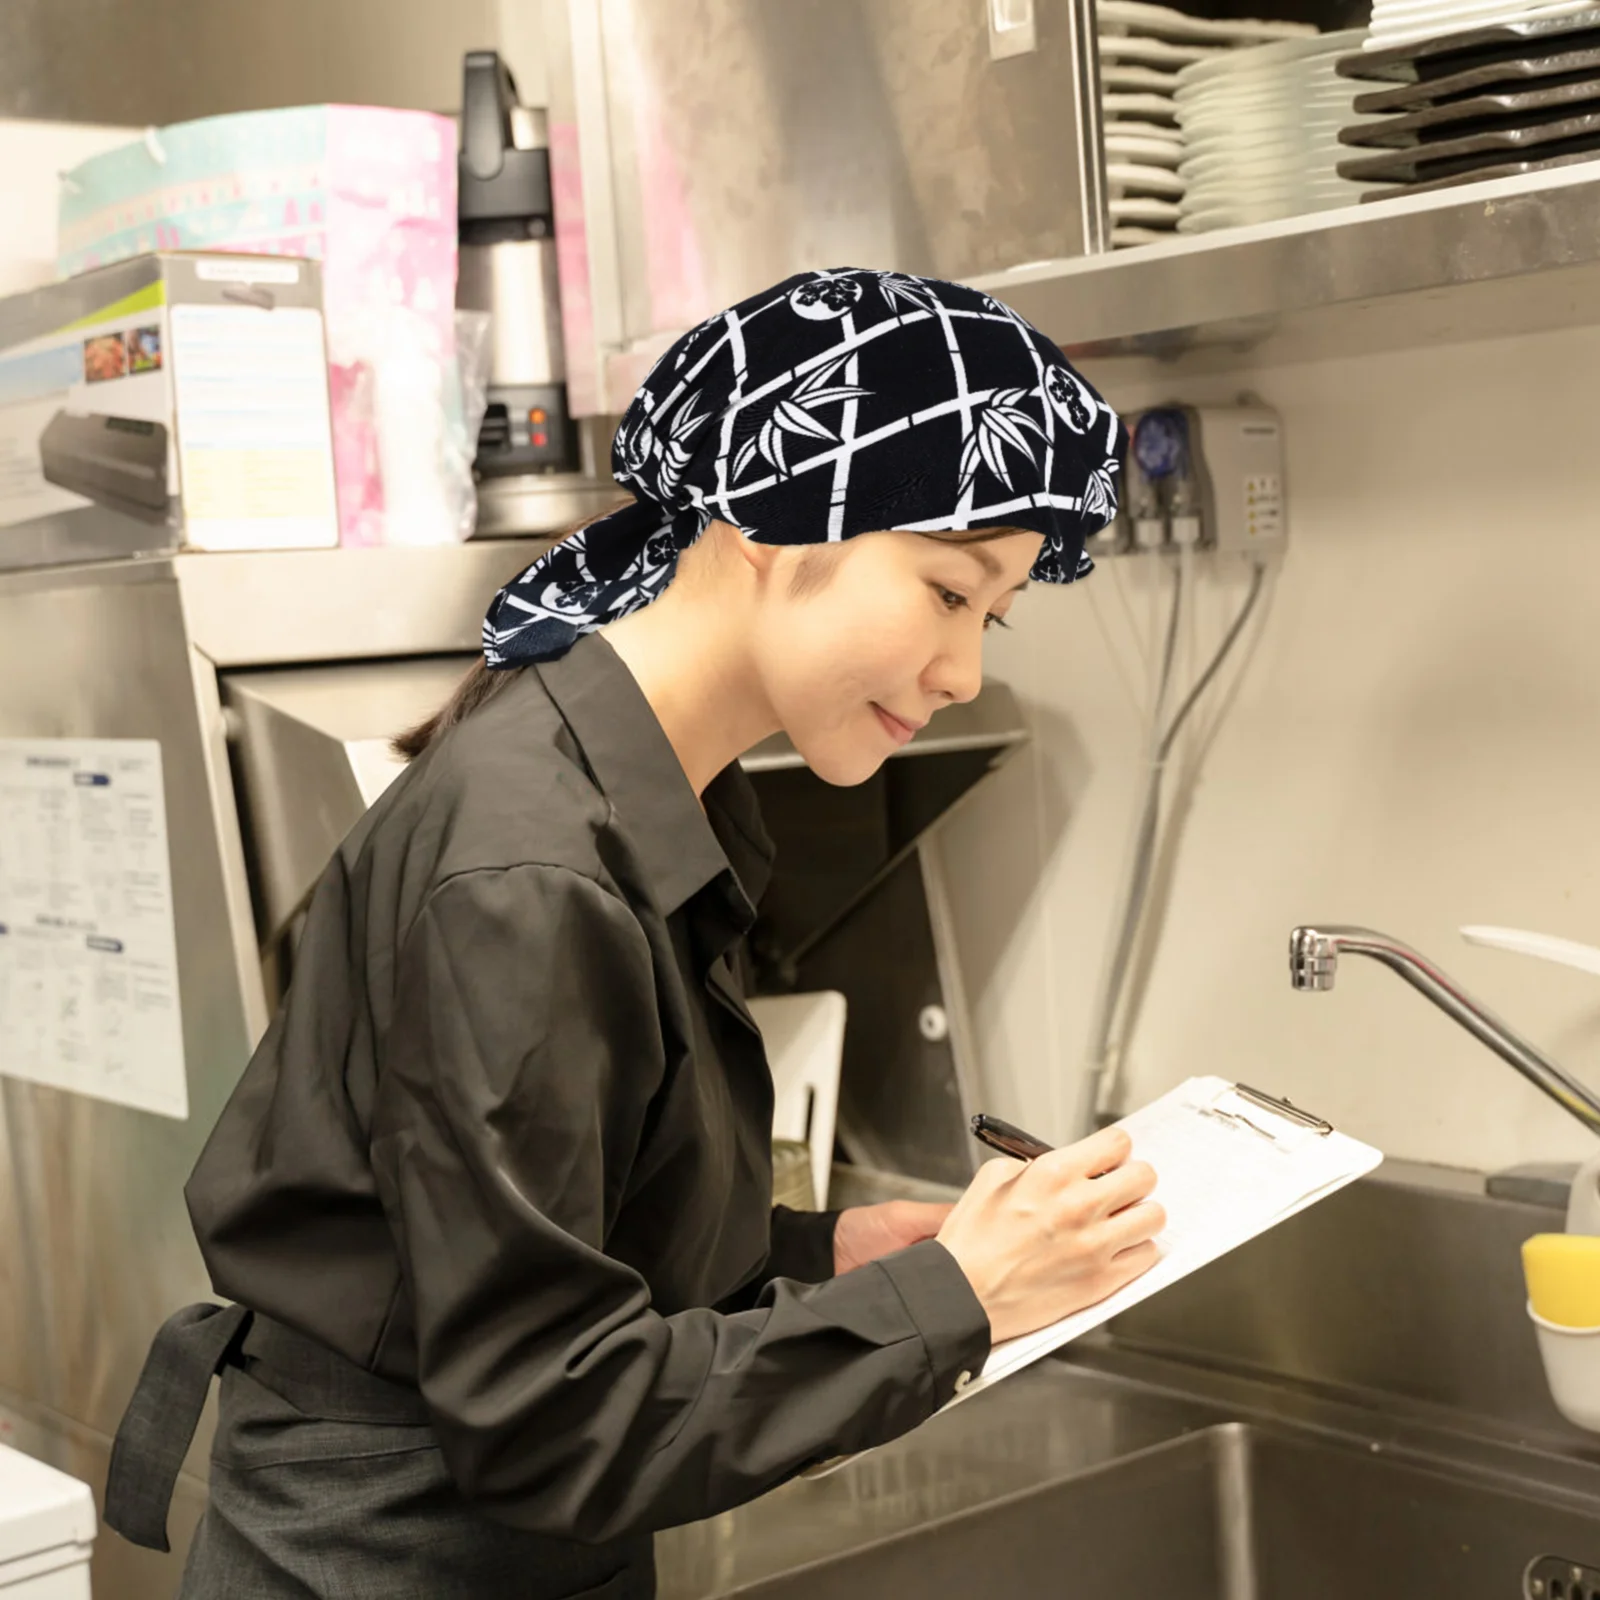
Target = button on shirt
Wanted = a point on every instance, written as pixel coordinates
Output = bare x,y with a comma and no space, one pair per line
509,1137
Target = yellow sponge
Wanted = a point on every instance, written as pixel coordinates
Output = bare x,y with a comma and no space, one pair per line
1563,1273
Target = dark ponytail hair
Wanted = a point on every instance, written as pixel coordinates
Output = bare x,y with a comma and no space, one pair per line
478,688
480,685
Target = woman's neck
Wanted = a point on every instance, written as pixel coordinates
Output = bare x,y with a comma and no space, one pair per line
687,652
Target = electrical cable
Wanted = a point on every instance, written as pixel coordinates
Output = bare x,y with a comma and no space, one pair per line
1126,916
1137,884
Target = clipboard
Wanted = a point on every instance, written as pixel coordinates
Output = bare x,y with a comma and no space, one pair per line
1230,1162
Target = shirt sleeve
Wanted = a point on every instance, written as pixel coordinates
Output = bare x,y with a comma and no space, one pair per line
520,1062
800,1246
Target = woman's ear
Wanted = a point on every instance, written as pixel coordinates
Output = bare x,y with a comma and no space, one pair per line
762,557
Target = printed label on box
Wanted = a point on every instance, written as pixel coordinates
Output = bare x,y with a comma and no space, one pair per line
252,402
253,269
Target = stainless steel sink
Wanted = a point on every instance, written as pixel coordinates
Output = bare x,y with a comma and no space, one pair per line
1351,1407
1233,1512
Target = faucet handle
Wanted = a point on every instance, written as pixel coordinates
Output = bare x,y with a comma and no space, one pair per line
1568,952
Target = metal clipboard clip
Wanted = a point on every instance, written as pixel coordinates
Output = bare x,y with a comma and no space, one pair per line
1279,1108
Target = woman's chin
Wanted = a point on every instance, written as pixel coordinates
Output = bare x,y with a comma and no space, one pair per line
841,762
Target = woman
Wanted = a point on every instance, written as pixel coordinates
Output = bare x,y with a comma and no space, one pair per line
493,1196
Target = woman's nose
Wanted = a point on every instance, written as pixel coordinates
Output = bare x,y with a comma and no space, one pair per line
957,674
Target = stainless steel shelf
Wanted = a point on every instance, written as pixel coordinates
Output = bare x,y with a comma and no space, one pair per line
1512,256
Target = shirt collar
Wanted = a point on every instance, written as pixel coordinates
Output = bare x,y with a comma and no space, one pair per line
680,847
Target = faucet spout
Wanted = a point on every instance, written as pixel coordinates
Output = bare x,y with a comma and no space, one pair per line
1314,960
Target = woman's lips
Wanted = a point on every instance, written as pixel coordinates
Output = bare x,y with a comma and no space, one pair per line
897,730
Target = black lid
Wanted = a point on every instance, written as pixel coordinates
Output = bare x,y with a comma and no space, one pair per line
497,184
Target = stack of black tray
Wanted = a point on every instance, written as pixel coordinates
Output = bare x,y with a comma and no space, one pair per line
1489,103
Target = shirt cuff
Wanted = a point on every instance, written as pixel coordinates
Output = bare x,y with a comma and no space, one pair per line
947,1314
801,1246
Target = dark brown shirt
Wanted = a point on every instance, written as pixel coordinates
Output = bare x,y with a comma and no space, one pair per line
509,1137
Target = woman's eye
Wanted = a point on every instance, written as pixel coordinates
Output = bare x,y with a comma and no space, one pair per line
958,602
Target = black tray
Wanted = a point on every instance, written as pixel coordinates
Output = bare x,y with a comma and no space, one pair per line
1483,174
1568,66
1478,113
1442,55
1453,156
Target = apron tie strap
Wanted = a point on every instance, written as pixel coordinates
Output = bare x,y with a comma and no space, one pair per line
193,1345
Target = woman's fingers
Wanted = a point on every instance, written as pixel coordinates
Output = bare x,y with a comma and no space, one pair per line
1134,1226
1089,1158
1125,1187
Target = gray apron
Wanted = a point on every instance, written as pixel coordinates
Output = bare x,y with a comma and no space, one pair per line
326,1482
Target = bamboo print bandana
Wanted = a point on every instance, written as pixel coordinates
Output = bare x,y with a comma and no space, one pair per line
833,404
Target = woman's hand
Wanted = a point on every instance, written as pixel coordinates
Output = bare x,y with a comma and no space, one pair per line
1042,1239
864,1233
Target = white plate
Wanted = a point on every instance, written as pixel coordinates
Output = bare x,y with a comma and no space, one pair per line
1317,99
1230,169
1266,127
1266,56
1113,76
1286,199
1382,37
1311,104
1150,152
1153,52
1399,10
1133,128
1142,209
1264,142
1261,130
1141,108
1165,23
1127,234
1259,80
1128,176
1208,222
1307,75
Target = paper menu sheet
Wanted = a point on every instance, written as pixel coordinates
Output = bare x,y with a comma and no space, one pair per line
1226,1170
88,954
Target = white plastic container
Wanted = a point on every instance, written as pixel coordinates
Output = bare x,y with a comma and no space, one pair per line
1571,1368
47,1528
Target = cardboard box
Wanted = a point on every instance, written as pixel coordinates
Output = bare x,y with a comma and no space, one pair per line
172,401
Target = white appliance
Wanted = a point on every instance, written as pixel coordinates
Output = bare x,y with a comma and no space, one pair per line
47,1527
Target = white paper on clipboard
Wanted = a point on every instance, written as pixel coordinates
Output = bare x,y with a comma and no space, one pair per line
1228,1167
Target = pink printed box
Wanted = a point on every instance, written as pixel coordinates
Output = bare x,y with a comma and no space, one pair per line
369,192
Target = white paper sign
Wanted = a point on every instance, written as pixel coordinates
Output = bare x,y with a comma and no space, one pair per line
88,956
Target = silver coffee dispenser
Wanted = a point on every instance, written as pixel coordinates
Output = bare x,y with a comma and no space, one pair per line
508,269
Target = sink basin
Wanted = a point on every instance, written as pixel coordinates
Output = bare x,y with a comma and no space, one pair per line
1230,1512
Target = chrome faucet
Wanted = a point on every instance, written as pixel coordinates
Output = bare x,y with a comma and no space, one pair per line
1314,959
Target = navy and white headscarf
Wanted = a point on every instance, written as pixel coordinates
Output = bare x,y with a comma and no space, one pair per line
833,404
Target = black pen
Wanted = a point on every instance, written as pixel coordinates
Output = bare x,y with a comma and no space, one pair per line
1007,1139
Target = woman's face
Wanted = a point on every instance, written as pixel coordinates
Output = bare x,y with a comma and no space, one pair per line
889,631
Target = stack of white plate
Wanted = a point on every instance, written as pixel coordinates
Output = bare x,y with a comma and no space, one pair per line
1401,21
1143,49
1261,133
